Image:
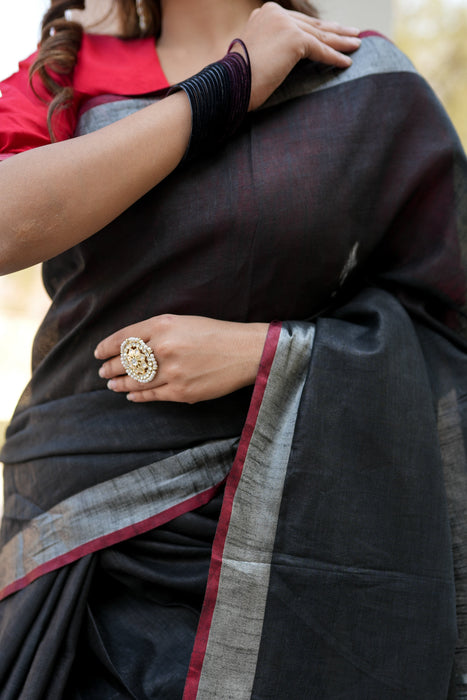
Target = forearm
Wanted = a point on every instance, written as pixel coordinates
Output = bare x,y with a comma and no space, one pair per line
55,196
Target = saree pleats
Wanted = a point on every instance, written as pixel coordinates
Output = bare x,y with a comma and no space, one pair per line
116,624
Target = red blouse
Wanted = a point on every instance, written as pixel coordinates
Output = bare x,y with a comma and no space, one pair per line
106,65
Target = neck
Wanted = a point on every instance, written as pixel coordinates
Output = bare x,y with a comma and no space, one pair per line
203,26
98,17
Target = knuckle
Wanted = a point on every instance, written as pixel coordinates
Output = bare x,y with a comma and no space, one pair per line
302,53
163,349
273,9
321,36
167,320
178,394
183,392
175,374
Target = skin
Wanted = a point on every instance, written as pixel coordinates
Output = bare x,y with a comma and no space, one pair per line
199,358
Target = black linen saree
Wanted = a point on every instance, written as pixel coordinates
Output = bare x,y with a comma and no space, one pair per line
337,569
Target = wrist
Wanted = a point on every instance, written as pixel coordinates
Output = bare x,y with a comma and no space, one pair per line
253,342
219,97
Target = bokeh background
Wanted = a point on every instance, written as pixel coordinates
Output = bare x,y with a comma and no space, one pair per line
431,32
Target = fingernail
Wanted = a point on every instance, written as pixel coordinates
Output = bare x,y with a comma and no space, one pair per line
101,372
111,384
130,397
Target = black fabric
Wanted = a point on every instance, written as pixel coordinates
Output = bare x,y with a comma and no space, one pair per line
39,628
118,624
362,574
359,185
223,238
231,256
143,611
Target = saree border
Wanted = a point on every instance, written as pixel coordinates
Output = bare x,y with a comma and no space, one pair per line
230,626
91,520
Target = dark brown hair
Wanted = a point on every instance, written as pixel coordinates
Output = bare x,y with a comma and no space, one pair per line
61,41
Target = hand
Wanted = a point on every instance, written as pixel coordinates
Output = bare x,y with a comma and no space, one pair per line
277,39
199,358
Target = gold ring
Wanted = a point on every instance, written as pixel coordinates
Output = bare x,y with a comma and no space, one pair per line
138,360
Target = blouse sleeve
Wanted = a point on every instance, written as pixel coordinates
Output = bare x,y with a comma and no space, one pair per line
23,114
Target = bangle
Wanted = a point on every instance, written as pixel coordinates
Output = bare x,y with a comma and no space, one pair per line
219,96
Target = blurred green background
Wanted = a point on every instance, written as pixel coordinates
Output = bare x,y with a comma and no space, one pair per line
433,33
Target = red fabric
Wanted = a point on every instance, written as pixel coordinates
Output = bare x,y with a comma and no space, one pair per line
106,65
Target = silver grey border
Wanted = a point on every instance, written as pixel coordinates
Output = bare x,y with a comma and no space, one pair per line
116,504
376,56
235,633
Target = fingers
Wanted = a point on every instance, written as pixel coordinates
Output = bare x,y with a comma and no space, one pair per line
110,346
326,30
333,27
159,393
157,390
108,350
329,54
326,25
112,368
120,382
114,371
125,384
328,47
339,41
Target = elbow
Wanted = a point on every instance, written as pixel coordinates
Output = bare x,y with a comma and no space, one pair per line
7,254
6,260
16,252
7,266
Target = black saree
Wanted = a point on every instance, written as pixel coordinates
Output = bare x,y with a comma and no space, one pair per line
333,565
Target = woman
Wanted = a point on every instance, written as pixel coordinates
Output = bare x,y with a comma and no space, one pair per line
324,488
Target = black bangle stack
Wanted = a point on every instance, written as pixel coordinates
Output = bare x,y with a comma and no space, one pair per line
219,97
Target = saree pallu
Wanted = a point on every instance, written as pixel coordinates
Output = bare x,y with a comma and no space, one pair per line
305,541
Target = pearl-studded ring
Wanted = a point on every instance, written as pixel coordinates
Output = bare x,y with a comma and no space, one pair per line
138,360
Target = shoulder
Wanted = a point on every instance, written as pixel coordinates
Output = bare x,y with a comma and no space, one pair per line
378,55
106,65
23,111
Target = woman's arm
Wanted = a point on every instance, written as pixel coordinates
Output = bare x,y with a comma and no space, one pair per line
60,194
55,196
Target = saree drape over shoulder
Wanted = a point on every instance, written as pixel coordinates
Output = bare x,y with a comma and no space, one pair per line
304,539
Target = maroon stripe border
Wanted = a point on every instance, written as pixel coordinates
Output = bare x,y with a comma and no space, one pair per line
202,634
